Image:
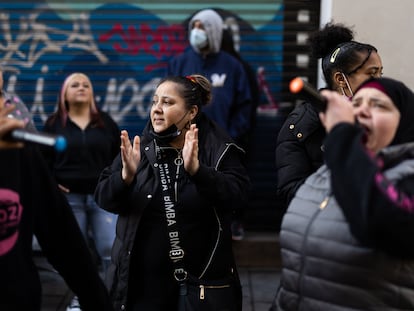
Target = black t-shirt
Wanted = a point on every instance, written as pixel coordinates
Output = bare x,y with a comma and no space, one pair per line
31,203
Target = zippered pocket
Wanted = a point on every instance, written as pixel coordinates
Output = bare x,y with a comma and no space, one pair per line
205,288
206,295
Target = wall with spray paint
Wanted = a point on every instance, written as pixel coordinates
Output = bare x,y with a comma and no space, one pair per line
124,46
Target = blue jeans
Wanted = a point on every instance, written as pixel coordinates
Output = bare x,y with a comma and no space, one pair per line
94,223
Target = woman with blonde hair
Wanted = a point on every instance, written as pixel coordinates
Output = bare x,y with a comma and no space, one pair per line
93,140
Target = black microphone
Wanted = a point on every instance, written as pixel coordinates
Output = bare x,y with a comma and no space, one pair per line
299,86
56,141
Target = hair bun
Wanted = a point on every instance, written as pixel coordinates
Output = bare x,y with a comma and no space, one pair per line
323,41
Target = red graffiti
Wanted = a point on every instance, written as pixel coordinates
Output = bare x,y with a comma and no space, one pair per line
161,42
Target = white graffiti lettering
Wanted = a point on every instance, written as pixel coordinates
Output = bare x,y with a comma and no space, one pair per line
37,36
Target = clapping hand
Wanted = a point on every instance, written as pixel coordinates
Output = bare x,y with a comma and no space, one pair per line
190,150
131,156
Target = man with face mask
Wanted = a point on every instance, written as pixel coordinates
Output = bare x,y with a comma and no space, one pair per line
198,37
231,104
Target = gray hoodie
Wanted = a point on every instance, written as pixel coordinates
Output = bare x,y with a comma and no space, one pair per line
213,26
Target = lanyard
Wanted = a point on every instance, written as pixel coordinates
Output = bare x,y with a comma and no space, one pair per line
169,195
169,192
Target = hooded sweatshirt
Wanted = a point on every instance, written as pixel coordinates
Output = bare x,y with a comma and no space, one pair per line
231,98
213,26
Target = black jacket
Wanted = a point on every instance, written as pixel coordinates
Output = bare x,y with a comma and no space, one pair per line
221,178
87,153
299,150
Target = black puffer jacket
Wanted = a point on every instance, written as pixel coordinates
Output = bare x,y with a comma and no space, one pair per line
221,178
299,150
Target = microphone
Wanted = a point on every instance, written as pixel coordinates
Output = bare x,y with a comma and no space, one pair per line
56,141
299,86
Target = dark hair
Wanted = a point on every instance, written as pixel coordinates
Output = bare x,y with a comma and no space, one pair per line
195,89
227,44
334,44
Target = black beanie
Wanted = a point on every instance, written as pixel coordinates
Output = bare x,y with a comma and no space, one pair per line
403,99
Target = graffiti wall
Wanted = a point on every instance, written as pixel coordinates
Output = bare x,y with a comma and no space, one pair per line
124,48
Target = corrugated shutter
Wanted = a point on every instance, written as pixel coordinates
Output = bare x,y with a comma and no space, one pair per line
299,18
124,46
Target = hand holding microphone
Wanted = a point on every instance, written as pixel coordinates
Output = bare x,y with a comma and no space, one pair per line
301,87
13,133
56,141
6,126
339,108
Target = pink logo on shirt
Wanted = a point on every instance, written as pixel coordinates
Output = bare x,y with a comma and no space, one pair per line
10,216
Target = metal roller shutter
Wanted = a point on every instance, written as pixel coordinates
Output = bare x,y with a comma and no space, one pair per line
124,46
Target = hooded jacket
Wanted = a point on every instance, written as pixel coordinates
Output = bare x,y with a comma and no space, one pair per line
221,178
231,97
213,26
346,239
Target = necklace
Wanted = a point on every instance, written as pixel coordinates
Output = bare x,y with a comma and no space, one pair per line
178,162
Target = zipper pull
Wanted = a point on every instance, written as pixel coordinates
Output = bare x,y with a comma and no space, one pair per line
324,203
201,292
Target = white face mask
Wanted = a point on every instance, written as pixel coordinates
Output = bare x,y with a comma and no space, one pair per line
198,38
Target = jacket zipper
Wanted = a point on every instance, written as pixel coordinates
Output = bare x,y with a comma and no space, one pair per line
324,203
220,228
224,152
322,206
